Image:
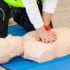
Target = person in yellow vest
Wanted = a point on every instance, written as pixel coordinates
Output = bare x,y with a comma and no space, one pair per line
37,16
32,14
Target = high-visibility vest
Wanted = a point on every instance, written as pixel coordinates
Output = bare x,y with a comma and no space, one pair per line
17,3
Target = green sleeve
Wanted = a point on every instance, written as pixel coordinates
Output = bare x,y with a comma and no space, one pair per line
15,3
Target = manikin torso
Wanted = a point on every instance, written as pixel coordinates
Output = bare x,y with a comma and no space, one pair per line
29,48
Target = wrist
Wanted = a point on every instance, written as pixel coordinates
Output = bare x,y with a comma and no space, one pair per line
40,29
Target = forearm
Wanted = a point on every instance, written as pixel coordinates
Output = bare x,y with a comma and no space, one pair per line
46,18
48,10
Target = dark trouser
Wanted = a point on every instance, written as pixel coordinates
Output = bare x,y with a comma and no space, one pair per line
4,17
21,17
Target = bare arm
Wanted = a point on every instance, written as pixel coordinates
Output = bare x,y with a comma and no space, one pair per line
48,10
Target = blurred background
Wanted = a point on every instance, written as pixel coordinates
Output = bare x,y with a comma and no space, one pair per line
61,17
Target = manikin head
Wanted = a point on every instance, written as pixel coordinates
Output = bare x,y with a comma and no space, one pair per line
10,47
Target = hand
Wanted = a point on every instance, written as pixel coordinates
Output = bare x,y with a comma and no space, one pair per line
46,36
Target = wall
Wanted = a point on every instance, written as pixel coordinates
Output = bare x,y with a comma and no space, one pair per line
61,17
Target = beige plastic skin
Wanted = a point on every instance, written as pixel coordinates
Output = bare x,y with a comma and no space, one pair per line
34,50
38,51
62,47
41,52
9,48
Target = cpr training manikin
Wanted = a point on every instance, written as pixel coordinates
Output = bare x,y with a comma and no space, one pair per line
29,48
